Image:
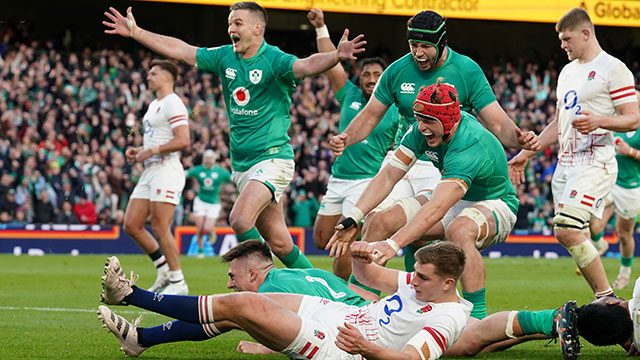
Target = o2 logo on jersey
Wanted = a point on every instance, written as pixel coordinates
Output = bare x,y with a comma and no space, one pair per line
393,305
571,101
241,96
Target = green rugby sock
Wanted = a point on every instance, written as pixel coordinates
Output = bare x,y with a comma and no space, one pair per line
597,237
249,235
355,282
409,257
296,259
479,302
626,261
537,322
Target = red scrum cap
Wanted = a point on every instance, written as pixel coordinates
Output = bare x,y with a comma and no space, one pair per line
440,102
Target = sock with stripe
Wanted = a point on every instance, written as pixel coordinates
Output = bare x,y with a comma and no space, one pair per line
478,299
355,282
176,330
607,292
175,276
159,260
537,322
296,259
251,234
193,309
626,262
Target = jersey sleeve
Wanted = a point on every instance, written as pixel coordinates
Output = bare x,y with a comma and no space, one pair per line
208,59
435,338
176,112
344,91
413,143
621,85
191,172
480,92
383,89
283,66
225,175
404,278
462,164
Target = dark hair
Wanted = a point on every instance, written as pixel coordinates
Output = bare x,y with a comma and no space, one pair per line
602,324
572,19
373,60
448,258
168,66
254,7
247,248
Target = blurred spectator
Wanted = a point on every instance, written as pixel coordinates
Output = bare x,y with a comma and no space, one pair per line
305,208
85,210
8,203
44,211
66,215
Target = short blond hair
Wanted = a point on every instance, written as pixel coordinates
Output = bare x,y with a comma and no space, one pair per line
572,19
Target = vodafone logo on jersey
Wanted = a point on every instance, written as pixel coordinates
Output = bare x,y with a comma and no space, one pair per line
241,96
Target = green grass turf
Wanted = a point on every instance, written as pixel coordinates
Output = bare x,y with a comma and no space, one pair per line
65,282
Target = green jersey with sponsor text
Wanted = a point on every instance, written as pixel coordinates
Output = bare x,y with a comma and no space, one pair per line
474,155
362,160
210,180
628,168
257,93
402,80
314,282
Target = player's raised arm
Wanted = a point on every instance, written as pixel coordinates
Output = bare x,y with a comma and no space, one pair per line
500,125
164,45
337,74
321,62
369,273
360,127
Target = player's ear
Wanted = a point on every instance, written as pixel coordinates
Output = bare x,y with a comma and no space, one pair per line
448,284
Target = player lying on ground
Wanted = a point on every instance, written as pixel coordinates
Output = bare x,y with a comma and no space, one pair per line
419,320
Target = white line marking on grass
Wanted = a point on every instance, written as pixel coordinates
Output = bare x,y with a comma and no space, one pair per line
31,308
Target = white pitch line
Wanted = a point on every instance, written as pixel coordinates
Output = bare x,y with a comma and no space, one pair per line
30,308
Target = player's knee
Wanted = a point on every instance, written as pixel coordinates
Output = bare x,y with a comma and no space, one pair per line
409,207
239,223
583,254
132,227
382,224
470,227
571,218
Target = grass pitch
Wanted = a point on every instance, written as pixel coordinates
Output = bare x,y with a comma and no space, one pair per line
48,305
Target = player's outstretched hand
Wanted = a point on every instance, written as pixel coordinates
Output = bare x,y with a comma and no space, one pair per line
347,49
622,147
144,154
131,153
350,339
528,140
316,18
337,144
345,234
120,25
517,165
587,123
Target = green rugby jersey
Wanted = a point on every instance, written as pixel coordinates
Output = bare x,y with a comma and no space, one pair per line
315,282
210,180
474,155
628,168
402,80
362,160
257,93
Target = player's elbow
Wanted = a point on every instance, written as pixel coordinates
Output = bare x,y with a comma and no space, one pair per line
636,122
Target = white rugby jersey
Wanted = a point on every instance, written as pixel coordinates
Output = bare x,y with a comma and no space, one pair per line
597,86
401,319
160,119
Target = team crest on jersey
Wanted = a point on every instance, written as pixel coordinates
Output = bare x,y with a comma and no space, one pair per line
241,96
319,334
573,194
255,75
424,309
592,75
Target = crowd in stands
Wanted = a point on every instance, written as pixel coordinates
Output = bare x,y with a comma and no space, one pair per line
66,119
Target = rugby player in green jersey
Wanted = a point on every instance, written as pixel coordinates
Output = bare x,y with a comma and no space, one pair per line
206,206
258,80
352,171
474,205
429,58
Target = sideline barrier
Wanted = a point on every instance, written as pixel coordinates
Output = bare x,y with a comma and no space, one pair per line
94,239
